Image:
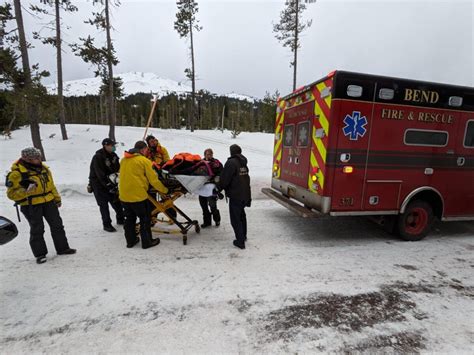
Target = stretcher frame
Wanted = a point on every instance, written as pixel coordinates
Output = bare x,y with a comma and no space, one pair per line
163,205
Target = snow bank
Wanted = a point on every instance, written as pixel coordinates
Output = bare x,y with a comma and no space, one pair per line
69,160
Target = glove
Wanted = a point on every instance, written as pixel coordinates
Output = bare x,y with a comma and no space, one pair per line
58,204
111,188
249,203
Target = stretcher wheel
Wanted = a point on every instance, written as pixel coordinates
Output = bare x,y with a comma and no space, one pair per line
197,228
185,239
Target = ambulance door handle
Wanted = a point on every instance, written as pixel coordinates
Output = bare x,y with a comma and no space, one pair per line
450,151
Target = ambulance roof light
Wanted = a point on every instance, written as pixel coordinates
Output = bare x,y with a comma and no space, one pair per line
331,73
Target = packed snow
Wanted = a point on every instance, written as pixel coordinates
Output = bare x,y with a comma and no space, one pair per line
302,285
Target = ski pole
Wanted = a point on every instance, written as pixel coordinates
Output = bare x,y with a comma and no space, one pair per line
17,212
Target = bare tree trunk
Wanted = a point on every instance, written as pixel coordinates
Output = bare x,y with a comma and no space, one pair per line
62,115
295,60
193,78
31,109
110,96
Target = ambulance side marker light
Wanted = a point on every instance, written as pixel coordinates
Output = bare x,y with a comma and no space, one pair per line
315,170
348,169
314,178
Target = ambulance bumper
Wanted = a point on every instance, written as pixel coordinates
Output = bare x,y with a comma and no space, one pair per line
309,199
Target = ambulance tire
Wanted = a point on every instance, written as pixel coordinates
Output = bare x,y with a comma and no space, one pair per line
415,223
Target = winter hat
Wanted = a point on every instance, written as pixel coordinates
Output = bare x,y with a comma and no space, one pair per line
149,138
108,141
31,153
235,149
140,145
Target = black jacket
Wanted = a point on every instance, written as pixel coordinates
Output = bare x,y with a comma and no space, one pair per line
235,179
102,165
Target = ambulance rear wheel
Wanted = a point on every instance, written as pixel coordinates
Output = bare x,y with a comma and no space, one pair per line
416,222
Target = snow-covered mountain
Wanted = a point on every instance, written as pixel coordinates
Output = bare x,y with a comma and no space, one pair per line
133,83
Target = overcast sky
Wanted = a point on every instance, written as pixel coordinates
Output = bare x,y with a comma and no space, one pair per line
237,51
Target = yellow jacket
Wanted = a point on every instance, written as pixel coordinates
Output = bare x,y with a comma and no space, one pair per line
159,156
136,176
22,175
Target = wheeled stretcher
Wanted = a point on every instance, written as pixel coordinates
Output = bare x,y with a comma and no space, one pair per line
178,185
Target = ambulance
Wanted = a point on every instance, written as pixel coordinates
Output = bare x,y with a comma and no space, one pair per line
399,150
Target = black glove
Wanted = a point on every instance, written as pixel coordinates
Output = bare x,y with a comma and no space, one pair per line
249,202
111,188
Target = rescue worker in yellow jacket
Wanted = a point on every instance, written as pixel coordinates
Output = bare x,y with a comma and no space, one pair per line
156,152
30,184
136,176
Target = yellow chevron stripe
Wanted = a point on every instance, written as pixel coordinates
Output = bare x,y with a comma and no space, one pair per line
277,145
322,118
327,99
321,148
319,174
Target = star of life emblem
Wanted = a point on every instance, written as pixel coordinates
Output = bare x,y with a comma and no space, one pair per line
355,126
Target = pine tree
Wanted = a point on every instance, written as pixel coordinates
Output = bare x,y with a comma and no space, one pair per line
185,23
56,41
30,85
289,29
104,58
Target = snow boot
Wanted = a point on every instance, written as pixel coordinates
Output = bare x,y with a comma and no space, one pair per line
238,245
153,242
41,259
67,251
109,229
131,245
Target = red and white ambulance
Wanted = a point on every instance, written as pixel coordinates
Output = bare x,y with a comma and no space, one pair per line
356,144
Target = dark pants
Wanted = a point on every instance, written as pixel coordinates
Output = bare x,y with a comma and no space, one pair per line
34,214
103,198
238,219
142,210
206,203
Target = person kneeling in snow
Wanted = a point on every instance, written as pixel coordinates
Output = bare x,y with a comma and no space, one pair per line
30,184
136,174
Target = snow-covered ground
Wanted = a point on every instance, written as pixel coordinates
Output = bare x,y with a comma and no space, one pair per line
327,285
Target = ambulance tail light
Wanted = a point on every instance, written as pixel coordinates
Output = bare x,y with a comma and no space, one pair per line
276,167
348,169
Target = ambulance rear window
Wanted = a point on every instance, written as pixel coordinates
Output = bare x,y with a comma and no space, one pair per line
302,138
426,138
469,136
288,133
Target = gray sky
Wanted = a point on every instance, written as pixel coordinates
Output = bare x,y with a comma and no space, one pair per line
237,51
